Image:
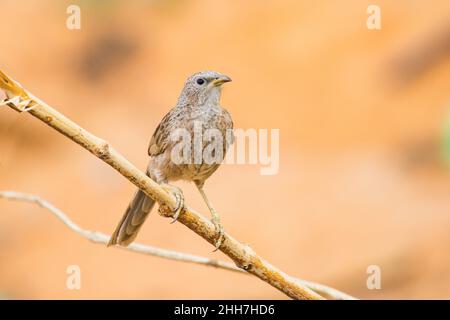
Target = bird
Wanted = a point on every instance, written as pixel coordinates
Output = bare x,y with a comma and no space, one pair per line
198,106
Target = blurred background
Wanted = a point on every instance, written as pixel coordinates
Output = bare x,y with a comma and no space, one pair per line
364,119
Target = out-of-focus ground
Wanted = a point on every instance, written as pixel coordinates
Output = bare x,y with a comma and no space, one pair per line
362,181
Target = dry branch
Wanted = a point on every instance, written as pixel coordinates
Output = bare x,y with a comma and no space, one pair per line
243,256
98,237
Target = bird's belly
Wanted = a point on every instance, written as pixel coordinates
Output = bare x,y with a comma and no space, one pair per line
193,172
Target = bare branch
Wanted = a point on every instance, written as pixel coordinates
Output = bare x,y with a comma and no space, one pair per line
98,237
242,255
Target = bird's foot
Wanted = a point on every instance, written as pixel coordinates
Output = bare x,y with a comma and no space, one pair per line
219,229
178,194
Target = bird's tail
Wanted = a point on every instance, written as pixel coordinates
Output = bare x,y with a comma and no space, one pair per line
132,220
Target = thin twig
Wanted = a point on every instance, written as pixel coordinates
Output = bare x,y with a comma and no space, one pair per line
242,255
101,238
98,237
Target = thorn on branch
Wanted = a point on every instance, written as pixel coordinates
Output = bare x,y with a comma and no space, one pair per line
102,150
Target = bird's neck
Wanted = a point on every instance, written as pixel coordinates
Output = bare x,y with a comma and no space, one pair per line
210,99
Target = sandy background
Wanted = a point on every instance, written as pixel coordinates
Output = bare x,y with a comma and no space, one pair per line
362,179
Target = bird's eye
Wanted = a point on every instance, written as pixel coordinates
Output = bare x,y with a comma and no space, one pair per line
200,81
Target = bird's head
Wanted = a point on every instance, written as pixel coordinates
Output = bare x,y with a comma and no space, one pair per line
203,87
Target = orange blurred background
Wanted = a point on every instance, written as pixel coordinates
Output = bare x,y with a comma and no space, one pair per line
361,112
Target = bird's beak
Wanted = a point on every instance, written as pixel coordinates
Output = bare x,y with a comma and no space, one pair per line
220,80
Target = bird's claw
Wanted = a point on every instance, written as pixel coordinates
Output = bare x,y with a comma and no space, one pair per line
180,204
220,231
178,194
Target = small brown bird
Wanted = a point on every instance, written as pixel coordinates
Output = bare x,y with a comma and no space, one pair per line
198,106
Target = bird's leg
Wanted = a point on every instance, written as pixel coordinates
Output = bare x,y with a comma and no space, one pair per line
214,214
178,194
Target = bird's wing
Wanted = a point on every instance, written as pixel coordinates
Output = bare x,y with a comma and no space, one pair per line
227,118
160,138
228,124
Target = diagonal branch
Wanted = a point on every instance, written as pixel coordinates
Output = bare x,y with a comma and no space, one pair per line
243,256
98,237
